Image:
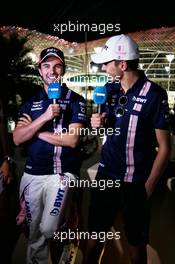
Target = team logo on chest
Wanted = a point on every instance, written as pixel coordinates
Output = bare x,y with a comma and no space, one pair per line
139,100
64,103
37,106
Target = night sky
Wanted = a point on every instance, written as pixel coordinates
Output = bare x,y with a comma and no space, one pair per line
124,16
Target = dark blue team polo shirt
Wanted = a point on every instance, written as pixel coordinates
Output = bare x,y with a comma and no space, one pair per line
128,154
44,158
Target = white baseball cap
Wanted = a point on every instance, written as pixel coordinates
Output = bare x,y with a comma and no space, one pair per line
120,47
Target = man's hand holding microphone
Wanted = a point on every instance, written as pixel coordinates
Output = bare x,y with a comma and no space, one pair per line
52,112
98,120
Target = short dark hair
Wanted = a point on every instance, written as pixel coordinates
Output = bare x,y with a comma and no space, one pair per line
132,64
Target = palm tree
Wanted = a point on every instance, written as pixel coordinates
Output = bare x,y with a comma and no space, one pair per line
16,72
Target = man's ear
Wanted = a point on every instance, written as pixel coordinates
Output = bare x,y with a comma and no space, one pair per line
40,72
124,65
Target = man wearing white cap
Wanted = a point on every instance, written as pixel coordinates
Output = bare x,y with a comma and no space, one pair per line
138,108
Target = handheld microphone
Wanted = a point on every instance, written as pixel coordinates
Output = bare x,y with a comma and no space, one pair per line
100,96
54,92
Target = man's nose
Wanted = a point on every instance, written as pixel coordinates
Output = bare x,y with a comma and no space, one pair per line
53,70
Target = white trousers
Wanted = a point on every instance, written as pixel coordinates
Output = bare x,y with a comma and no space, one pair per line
46,198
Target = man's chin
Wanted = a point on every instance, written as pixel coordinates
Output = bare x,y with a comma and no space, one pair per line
50,80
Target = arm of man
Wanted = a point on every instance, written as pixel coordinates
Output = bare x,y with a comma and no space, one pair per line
69,139
5,168
6,172
163,138
26,128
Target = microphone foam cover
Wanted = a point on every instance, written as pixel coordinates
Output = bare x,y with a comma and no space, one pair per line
100,95
54,90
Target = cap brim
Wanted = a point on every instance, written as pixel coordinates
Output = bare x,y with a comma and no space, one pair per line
101,58
50,55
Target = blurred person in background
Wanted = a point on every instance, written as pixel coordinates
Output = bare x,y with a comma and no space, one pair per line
9,232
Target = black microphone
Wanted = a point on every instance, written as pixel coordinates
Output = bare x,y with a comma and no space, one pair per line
100,96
